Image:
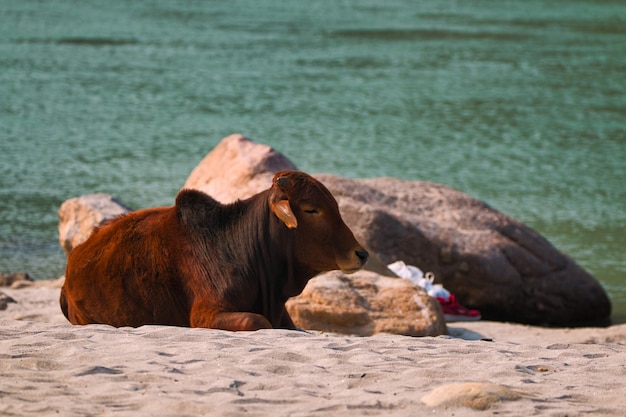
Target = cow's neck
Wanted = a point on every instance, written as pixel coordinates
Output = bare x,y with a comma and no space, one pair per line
268,251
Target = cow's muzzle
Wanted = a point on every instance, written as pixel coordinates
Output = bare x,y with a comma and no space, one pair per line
356,262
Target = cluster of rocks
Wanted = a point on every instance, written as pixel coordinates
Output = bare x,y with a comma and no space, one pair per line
490,261
15,280
20,280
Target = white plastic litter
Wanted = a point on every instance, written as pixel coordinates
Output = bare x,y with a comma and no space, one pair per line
416,276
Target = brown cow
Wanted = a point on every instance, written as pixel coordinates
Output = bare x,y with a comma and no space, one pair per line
204,264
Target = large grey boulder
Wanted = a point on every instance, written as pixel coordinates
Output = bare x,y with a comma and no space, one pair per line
491,261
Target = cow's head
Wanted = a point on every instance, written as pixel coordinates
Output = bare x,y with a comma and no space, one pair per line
323,242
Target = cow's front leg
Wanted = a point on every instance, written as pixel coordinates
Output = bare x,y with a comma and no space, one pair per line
228,320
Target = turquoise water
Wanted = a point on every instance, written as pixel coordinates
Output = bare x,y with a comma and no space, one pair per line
519,104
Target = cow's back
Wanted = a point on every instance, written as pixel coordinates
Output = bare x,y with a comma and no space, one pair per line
125,273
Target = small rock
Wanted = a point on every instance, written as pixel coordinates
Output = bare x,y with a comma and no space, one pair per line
366,303
476,395
8,280
5,300
79,216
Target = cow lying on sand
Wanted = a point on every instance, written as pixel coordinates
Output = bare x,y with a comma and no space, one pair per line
204,264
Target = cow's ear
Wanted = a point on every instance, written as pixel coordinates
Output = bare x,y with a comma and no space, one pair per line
282,210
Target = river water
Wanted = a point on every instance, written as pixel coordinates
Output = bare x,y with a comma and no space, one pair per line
519,104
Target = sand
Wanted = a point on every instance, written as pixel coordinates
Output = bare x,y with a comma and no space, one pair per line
49,367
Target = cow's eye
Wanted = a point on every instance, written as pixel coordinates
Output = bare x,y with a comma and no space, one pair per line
311,211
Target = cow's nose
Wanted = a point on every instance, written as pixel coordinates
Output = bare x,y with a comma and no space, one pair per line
362,255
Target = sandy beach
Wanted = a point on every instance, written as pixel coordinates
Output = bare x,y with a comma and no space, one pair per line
50,367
